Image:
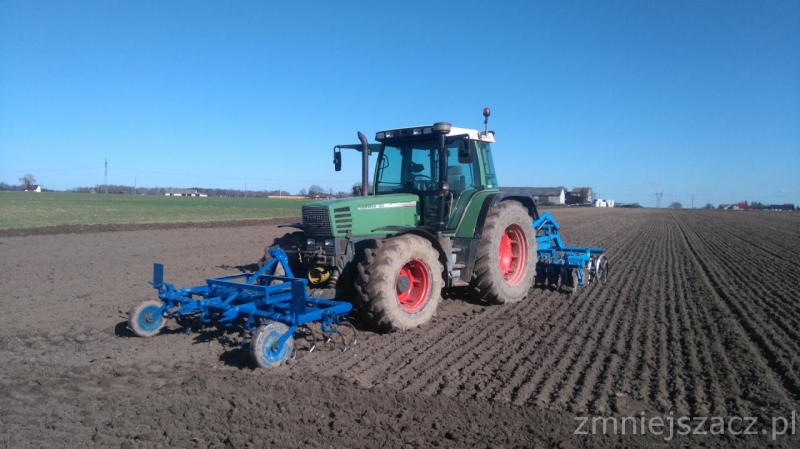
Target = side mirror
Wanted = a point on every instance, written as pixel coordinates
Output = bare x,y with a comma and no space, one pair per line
466,155
337,159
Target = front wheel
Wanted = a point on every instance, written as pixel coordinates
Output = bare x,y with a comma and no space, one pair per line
400,283
505,263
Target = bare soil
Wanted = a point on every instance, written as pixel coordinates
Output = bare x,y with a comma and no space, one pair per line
700,317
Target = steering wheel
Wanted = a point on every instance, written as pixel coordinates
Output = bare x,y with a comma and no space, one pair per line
421,178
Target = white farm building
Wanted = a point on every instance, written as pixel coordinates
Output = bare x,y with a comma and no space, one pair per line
541,195
184,192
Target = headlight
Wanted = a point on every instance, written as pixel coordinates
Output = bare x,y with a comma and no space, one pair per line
328,242
311,242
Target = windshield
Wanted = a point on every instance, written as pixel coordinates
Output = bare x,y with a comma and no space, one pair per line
412,167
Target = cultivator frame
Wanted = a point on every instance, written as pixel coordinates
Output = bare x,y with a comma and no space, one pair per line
560,265
272,307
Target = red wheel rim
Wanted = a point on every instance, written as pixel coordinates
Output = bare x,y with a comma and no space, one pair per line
413,286
513,254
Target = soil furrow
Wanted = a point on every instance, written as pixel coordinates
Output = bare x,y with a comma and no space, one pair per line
775,386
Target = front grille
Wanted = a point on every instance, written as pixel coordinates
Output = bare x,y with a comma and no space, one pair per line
316,221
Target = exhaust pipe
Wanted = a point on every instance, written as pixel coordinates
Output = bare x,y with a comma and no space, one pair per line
364,163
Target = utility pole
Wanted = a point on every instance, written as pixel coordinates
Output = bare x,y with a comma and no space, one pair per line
134,186
658,199
245,189
105,178
693,201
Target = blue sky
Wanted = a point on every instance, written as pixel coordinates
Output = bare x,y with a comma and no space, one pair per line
690,98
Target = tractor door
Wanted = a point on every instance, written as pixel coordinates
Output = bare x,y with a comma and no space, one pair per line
465,181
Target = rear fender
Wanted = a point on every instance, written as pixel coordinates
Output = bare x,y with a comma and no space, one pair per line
497,198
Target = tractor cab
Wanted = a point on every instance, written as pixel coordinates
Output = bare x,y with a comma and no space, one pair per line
413,160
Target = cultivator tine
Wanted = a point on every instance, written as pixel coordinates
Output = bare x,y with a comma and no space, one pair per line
313,339
355,333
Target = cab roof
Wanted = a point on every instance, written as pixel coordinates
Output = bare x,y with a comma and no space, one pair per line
454,131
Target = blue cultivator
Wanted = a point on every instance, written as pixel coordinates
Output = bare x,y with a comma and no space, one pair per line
560,265
271,307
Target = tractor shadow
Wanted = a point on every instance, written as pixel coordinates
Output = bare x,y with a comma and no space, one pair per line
236,347
462,294
235,355
249,268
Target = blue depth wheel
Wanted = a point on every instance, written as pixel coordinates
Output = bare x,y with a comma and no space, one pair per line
147,319
264,345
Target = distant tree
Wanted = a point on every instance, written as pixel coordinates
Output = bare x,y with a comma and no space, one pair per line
302,192
708,206
27,181
676,205
316,191
636,205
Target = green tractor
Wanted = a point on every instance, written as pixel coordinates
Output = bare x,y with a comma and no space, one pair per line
434,219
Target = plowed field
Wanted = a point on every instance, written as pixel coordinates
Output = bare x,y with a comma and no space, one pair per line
700,317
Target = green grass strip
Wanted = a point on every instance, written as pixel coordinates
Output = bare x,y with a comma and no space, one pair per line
28,210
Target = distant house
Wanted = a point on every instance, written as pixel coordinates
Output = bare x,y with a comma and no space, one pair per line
184,192
581,195
35,188
541,195
574,198
740,206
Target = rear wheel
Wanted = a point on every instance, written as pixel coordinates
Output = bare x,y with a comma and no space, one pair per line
400,283
506,258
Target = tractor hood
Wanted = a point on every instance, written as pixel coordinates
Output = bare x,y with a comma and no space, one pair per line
361,215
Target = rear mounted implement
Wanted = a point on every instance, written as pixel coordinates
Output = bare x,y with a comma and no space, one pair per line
269,306
562,266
